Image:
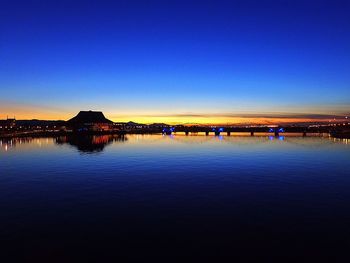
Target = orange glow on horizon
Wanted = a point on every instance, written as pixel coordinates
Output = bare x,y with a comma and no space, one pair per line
28,113
216,120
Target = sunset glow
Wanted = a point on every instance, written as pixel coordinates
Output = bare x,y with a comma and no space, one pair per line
175,62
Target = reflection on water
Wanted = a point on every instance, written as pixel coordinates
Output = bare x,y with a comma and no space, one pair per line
8,144
341,140
223,195
90,144
97,143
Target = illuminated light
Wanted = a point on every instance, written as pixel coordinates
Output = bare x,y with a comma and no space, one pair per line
281,138
271,138
6,147
271,130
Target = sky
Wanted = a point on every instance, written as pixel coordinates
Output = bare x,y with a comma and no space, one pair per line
176,61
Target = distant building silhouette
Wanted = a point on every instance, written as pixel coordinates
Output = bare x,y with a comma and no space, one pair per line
90,121
7,124
133,125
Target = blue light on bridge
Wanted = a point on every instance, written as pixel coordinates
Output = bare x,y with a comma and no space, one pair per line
217,130
168,130
277,130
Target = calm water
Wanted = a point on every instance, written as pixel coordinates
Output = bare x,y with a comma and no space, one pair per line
172,196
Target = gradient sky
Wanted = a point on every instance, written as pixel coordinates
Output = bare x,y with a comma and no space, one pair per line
175,61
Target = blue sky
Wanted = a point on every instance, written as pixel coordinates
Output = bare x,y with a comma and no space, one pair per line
141,59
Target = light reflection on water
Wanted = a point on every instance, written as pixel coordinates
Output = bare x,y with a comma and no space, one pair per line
97,143
150,191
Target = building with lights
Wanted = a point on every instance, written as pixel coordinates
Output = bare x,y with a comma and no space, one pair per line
7,124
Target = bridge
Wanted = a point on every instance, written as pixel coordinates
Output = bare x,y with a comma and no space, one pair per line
339,131
276,131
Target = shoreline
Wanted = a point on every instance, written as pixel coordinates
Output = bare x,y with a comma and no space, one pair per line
120,133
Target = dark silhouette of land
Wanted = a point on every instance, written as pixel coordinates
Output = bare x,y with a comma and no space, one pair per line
95,123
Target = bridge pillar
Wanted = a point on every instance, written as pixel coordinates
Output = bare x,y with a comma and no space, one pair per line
251,133
277,134
217,133
207,133
187,132
228,133
304,134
